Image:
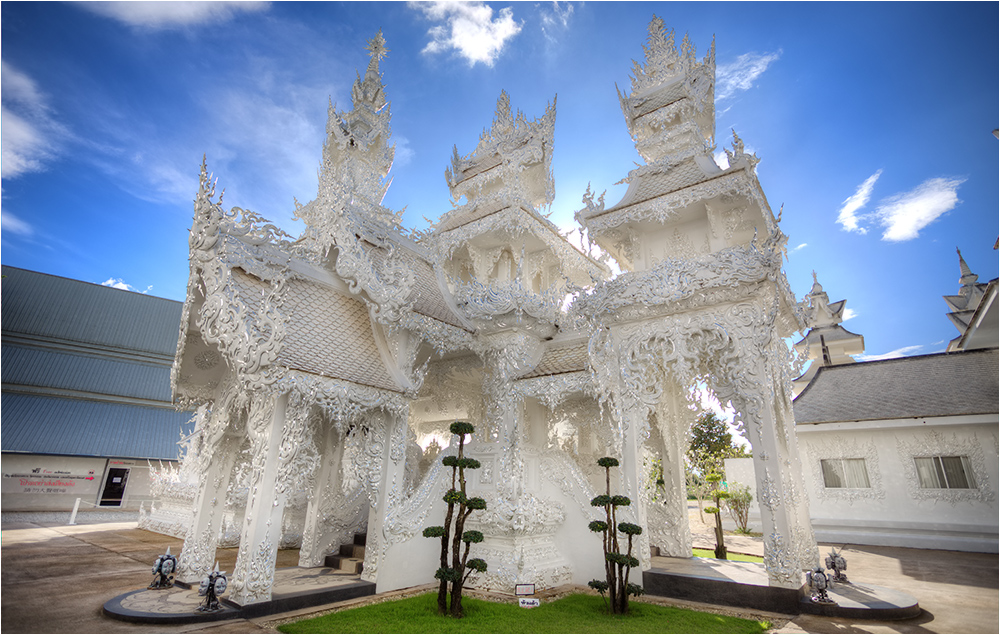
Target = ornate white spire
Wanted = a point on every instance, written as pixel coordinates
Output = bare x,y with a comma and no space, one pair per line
967,276
671,82
515,155
357,157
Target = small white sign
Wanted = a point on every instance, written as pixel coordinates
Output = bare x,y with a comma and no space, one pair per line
529,603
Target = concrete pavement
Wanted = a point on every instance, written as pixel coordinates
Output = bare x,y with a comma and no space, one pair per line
55,579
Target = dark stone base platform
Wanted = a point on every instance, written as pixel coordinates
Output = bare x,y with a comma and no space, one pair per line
865,602
293,589
725,582
745,585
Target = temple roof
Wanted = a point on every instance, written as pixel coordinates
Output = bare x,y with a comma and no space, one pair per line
938,385
830,334
428,298
328,334
965,307
651,183
565,358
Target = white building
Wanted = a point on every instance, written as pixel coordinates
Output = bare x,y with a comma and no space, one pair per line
903,452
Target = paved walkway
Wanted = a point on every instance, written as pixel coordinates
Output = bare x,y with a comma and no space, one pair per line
959,592
55,579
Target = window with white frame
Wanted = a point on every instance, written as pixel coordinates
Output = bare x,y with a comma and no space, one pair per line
944,472
845,473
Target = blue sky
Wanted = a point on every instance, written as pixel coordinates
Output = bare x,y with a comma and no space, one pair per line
872,121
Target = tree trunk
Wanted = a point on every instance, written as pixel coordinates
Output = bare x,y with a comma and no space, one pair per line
720,543
456,599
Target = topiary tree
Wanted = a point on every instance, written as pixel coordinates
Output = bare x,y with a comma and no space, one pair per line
459,509
718,495
617,565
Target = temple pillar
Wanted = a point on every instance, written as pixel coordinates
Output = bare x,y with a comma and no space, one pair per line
668,519
633,478
780,496
316,541
796,496
388,435
277,428
217,457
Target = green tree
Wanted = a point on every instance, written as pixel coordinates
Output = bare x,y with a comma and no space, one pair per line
738,504
711,444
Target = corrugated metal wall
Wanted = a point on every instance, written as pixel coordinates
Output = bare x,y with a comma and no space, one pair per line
50,425
46,368
39,304
104,345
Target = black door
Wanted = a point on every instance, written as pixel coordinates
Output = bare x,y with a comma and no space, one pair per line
114,487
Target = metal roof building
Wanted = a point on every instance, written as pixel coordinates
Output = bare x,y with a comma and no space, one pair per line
86,373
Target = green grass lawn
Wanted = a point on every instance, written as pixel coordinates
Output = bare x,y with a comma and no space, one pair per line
572,614
737,557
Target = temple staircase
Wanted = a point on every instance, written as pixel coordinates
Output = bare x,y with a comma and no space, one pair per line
350,558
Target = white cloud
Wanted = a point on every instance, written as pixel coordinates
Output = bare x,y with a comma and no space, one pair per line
166,15
849,314
404,153
555,20
118,283
28,137
904,215
721,159
11,223
798,248
469,28
847,217
906,351
740,75
261,129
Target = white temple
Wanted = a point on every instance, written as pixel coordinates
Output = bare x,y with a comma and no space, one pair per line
321,365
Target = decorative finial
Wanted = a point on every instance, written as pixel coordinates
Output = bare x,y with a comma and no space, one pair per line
967,276
815,281
376,46
962,264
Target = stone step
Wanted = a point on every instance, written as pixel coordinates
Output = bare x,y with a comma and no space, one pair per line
352,551
347,565
350,558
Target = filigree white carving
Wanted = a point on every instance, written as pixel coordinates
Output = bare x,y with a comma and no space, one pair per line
782,562
840,447
934,443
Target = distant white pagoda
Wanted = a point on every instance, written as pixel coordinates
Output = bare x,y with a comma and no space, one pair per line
968,310
827,343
